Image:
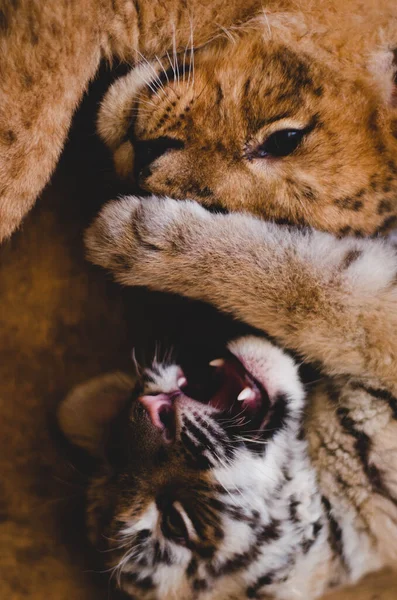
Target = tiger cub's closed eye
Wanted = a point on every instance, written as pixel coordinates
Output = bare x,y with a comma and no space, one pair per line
173,526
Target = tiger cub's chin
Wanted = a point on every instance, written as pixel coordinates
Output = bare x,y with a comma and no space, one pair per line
205,489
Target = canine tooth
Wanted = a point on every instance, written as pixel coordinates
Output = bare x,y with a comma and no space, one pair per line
182,381
217,362
246,394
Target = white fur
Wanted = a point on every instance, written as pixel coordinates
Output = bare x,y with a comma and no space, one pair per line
255,478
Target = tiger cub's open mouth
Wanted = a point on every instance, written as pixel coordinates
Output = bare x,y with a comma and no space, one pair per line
226,386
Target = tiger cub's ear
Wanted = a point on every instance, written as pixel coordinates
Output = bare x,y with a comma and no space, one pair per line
90,407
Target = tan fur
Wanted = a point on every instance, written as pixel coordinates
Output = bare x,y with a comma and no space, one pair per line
49,52
326,66
344,177
333,301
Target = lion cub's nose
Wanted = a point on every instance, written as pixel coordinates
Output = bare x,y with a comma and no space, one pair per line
148,151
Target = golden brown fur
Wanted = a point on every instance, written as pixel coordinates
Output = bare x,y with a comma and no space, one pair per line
195,126
49,52
327,65
319,296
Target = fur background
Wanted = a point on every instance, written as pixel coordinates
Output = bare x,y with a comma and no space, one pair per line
62,321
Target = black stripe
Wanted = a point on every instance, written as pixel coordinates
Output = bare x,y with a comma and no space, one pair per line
200,436
278,417
200,585
308,543
190,445
130,132
362,446
335,532
161,555
192,568
268,533
252,591
217,504
194,453
238,514
144,584
269,120
363,443
293,513
138,14
216,433
246,87
235,563
276,422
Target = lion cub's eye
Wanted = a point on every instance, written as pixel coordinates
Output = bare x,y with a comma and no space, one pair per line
280,143
173,526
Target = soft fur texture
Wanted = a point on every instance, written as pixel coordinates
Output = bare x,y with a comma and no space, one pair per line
225,511
48,336
50,51
221,77
331,301
206,124
235,496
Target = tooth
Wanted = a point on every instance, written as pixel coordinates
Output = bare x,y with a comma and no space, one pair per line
182,381
246,394
217,362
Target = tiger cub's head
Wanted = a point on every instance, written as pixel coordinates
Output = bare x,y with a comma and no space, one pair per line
281,126
196,474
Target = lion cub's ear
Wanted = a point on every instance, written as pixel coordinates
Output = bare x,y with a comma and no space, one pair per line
383,68
90,407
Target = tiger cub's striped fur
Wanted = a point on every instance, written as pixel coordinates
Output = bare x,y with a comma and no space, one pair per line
305,503
282,498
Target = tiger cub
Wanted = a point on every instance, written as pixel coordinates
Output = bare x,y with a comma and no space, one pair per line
236,486
242,488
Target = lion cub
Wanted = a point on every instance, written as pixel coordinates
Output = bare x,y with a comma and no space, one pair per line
286,110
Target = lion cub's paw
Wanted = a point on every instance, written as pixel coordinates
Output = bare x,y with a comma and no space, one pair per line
132,233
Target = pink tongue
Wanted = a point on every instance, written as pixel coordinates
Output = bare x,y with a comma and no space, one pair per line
154,405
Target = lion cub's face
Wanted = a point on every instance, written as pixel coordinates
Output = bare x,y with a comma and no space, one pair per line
255,126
